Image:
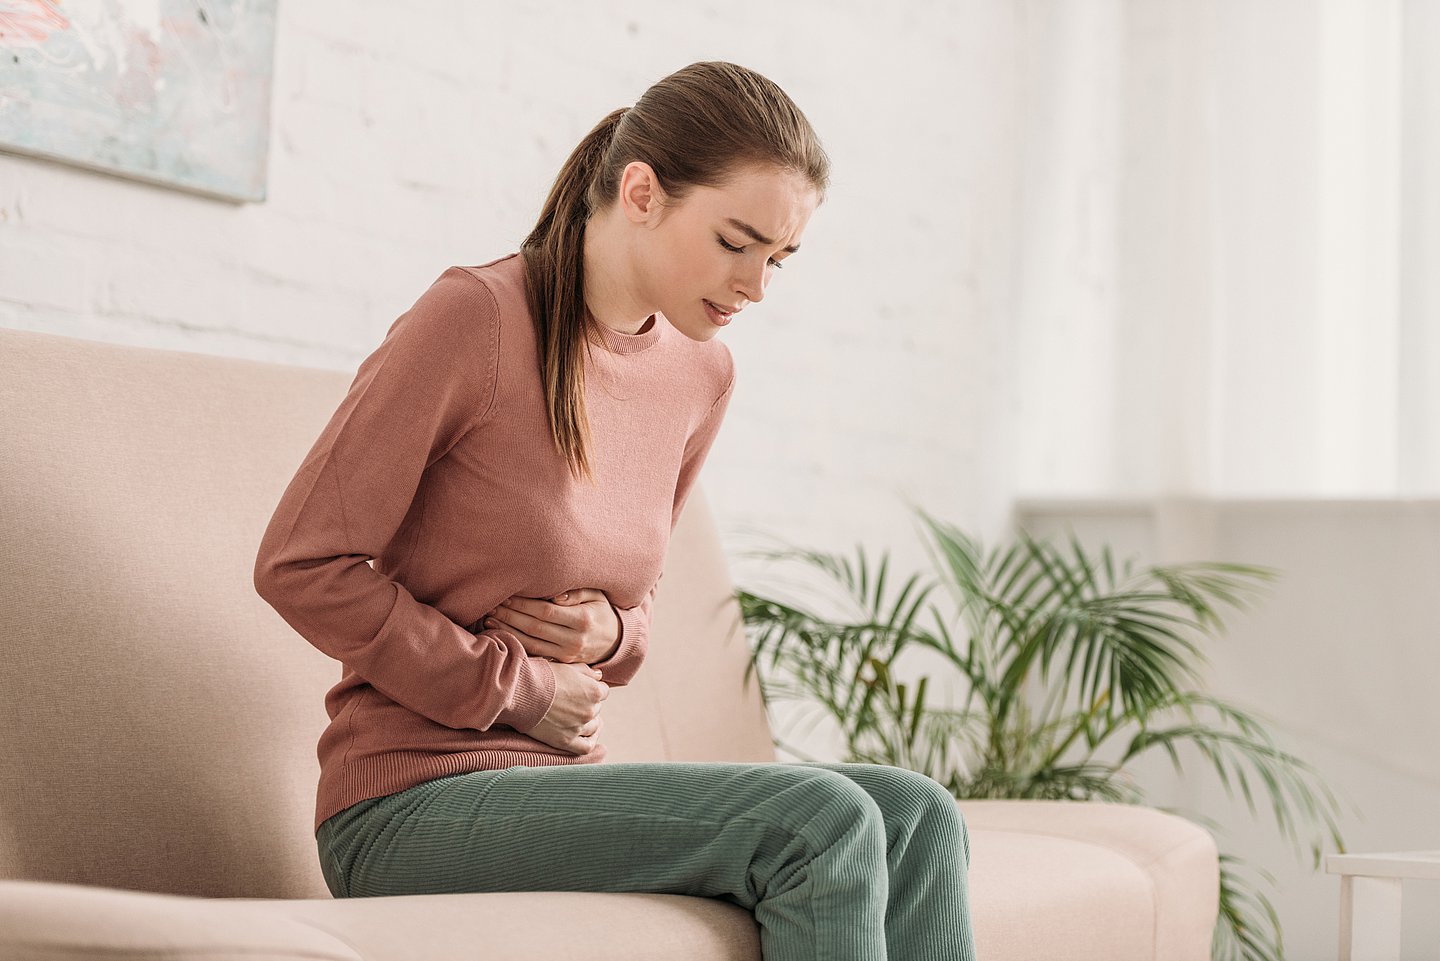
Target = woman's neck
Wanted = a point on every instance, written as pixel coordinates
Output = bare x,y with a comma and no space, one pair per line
611,286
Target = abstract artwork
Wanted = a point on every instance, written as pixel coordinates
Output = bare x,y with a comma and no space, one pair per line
167,92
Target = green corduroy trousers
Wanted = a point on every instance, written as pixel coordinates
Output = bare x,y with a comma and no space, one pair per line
837,862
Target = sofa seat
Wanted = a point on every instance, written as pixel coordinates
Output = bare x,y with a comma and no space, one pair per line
1097,874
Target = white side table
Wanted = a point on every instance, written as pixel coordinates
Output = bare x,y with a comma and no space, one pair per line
1370,899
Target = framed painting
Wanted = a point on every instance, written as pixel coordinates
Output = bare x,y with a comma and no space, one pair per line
167,92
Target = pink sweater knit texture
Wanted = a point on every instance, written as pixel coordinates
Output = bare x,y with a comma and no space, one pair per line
435,492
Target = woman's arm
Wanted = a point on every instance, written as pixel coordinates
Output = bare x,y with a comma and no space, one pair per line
424,387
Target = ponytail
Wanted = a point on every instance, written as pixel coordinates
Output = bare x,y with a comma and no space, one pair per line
555,287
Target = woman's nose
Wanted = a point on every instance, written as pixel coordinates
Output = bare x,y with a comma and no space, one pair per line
752,286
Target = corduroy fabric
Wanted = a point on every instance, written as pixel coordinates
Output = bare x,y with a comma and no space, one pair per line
837,862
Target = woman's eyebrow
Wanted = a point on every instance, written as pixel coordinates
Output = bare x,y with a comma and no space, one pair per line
756,235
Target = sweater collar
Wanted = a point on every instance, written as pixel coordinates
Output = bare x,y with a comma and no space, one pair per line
622,343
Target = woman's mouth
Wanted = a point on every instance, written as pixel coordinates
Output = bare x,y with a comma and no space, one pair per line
717,317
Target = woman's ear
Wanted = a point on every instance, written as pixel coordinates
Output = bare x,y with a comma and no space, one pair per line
641,196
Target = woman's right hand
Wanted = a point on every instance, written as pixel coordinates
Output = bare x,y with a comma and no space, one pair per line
573,722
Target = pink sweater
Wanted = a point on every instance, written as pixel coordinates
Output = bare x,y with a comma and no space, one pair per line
438,467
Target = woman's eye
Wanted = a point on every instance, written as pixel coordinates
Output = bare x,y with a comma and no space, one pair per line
741,250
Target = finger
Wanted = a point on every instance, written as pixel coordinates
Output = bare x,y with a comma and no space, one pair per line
526,605
579,595
530,624
590,733
537,646
543,611
564,640
498,619
516,601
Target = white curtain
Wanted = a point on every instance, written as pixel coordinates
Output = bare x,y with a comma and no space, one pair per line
1229,219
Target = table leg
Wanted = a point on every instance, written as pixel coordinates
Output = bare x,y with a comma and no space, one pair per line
1369,918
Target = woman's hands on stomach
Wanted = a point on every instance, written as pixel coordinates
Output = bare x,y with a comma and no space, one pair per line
573,629
577,627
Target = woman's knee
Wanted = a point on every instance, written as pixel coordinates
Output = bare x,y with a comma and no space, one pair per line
936,796
902,789
942,807
916,797
832,803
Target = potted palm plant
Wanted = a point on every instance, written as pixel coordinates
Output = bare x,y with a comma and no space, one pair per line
1074,668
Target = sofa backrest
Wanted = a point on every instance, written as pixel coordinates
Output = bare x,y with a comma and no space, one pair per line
158,720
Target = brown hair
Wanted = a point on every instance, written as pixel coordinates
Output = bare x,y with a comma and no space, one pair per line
697,127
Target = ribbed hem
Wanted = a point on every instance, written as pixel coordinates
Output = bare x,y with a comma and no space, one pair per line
395,771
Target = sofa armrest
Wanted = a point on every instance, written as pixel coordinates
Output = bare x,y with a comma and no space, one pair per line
1090,880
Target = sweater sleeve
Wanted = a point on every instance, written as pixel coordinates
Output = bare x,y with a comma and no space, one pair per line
430,380
617,669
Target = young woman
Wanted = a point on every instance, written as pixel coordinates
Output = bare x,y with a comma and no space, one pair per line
513,458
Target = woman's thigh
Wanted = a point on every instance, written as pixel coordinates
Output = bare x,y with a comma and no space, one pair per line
712,829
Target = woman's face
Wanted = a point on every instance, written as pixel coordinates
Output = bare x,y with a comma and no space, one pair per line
722,245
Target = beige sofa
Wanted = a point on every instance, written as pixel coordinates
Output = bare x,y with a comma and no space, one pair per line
157,765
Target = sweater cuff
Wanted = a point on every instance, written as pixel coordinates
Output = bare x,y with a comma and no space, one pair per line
617,669
625,631
532,695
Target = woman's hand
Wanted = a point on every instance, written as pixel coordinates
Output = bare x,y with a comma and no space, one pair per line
573,721
577,627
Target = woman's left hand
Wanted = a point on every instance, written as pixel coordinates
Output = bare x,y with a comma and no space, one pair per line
575,627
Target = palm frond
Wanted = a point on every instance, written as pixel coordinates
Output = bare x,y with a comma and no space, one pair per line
1285,777
1240,932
